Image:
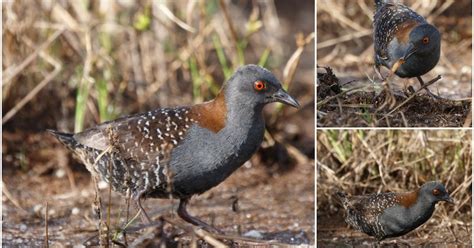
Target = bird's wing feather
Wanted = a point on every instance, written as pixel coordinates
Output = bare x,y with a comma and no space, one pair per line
147,137
388,21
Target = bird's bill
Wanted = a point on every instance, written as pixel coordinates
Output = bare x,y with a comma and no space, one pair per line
282,96
449,199
410,51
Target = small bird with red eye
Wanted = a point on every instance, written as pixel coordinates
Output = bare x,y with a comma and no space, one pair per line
404,42
386,215
181,151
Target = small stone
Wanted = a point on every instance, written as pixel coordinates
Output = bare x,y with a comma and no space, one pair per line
75,211
23,227
253,234
60,173
103,185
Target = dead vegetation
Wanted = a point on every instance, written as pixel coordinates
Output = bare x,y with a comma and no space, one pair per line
369,161
69,65
345,45
361,106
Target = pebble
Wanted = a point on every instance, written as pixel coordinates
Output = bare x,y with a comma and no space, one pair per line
103,185
75,211
60,173
253,234
23,227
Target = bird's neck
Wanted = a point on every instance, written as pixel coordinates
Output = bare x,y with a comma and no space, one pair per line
227,111
422,209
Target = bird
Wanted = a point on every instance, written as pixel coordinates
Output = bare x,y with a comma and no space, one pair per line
387,215
181,151
404,41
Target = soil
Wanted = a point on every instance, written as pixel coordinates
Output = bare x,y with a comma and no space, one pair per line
334,232
359,104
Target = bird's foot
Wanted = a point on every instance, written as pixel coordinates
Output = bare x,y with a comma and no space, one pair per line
432,81
183,213
389,99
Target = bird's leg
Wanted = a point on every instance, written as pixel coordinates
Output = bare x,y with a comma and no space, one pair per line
183,213
377,71
427,90
144,215
389,98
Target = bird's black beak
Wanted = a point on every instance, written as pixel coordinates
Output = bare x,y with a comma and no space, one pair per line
448,199
282,96
410,51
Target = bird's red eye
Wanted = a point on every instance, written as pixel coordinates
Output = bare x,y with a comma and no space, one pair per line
426,40
436,192
259,85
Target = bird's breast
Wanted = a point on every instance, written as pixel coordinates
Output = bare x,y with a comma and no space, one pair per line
204,158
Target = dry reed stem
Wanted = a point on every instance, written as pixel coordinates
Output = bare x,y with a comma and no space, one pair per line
46,233
169,14
12,71
344,38
12,199
292,63
47,79
412,96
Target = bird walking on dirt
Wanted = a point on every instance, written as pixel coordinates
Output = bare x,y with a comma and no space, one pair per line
404,42
182,151
386,215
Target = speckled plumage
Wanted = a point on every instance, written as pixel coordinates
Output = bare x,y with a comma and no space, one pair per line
182,151
401,33
386,215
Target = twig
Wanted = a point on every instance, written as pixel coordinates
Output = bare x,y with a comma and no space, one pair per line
468,120
233,33
167,12
412,96
290,67
208,237
46,237
38,88
374,156
343,38
10,73
10,197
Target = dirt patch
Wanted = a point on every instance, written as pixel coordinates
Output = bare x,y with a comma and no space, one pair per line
334,232
357,104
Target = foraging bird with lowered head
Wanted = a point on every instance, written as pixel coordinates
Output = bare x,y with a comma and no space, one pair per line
404,41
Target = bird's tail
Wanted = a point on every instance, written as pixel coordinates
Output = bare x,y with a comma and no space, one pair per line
380,3
65,138
342,197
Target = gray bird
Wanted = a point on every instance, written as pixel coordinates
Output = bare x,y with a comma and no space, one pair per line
404,41
182,151
386,215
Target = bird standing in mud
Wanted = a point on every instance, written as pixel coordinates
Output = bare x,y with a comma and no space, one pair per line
182,151
386,215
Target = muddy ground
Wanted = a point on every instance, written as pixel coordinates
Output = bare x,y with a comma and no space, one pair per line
274,203
345,45
355,104
334,232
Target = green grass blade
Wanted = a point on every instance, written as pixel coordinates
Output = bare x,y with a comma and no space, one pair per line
221,56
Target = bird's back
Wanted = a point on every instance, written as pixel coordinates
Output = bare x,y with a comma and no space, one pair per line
392,20
363,212
132,152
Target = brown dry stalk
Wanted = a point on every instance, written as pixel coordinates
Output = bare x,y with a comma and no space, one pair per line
46,236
